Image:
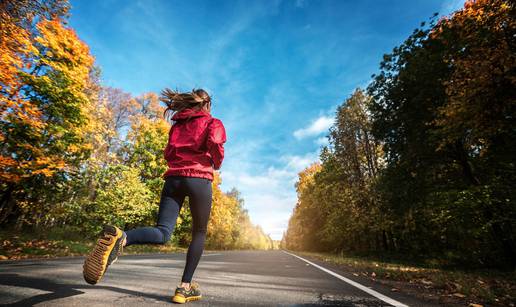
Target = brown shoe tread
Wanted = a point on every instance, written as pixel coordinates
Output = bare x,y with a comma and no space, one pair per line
97,262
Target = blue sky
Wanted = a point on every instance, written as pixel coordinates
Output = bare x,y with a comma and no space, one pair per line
277,70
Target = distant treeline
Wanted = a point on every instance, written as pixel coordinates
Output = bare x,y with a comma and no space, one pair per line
77,154
422,163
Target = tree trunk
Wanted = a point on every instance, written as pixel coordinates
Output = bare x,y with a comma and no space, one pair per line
6,203
384,240
467,170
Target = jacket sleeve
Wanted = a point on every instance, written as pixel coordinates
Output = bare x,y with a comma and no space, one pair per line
168,146
215,142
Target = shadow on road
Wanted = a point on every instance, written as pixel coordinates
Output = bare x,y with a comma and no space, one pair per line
59,290
63,290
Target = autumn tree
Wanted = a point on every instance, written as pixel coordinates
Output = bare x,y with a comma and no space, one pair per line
302,227
43,104
337,207
477,121
444,108
77,154
423,164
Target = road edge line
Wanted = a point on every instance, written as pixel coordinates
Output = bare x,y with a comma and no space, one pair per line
355,284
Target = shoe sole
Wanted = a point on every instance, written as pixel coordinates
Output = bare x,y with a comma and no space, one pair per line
101,256
181,299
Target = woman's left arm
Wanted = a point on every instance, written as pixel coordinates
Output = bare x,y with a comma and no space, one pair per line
215,142
168,146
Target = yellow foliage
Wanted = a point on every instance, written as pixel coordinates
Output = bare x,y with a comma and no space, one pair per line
65,52
478,101
55,47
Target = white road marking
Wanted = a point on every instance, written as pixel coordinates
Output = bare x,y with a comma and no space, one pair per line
204,255
378,295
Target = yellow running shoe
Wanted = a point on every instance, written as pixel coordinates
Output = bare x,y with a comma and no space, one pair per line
182,295
109,246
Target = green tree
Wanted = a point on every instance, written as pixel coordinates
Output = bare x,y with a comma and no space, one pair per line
444,118
122,199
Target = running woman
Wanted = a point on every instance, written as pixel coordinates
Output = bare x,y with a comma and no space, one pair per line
195,148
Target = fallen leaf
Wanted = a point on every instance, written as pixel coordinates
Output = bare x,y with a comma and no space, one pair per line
457,286
475,305
395,290
2,257
356,274
373,274
459,295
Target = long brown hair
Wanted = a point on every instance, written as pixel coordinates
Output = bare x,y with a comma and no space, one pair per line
177,101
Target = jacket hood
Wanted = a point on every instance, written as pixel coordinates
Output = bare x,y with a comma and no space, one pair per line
189,113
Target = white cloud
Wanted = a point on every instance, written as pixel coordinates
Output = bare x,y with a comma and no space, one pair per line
269,194
274,224
298,163
318,126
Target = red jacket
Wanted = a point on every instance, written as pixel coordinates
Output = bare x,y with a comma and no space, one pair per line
195,145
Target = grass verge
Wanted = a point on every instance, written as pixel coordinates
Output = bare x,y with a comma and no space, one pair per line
57,243
445,286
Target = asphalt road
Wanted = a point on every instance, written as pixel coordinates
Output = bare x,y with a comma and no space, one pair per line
233,278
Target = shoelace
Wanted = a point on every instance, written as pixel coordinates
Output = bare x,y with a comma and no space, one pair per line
193,286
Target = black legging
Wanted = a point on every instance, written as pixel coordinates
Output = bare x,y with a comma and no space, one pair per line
173,194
